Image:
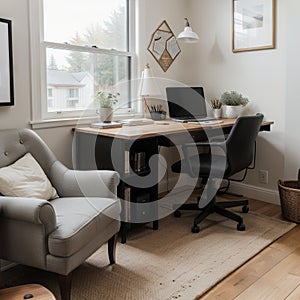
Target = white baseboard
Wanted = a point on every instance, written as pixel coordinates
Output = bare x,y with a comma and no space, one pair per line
251,191
259,193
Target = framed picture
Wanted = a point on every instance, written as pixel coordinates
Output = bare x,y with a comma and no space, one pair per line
253,25
6,64
163,46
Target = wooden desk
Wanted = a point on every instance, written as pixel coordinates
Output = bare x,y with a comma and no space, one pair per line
17,293
94,149
159,128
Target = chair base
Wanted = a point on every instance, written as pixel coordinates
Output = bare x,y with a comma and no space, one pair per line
216,207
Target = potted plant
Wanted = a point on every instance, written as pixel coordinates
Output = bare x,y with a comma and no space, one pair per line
233,103
216,106
106,101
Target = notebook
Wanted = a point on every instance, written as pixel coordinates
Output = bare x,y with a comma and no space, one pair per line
134,122
187,104
105,125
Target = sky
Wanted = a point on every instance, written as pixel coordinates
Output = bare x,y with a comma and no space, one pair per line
63,18
60,28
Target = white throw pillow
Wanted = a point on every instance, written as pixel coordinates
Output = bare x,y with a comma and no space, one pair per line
25,178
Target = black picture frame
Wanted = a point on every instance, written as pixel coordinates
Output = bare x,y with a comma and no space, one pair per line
6,64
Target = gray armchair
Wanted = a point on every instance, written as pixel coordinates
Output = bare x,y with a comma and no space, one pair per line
60,234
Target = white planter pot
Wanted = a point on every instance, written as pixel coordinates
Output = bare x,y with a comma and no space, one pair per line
231,112
106,114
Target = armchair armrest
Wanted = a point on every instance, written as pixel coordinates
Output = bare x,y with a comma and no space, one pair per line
30,210
74,183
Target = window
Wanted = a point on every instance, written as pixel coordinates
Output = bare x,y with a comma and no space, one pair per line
80,53
73,94
50,92
73,98
50,98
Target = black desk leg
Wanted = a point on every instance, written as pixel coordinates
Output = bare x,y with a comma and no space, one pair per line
123,232
155,225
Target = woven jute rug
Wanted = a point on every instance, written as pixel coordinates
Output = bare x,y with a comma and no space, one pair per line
170,263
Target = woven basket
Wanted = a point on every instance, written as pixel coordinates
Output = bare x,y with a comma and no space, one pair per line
290,200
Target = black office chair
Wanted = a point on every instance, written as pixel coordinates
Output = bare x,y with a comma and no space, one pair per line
238,151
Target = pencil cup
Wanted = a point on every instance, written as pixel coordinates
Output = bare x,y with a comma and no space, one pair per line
217,113
157,116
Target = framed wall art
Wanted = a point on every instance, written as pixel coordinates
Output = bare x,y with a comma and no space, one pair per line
253,25
6,64
163,46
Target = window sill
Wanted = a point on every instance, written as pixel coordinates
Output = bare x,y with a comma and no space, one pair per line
78,121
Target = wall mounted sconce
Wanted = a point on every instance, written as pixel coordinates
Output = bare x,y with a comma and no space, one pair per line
187,35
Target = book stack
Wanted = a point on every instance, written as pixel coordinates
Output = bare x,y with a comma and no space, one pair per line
106,125
135,122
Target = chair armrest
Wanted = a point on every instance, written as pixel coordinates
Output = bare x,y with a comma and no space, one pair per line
31,210
74,183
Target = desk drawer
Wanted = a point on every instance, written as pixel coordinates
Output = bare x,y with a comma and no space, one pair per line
139,212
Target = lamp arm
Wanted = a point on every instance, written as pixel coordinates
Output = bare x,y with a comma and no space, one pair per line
146,105
187,24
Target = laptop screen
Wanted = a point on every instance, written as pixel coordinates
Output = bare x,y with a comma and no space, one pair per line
186,102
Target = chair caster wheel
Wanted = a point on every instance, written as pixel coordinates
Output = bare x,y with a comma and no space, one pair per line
177,214
195,229
241,227
245,209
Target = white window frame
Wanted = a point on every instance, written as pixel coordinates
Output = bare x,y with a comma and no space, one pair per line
40,117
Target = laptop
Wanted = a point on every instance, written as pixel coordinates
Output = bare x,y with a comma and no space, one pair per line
187,104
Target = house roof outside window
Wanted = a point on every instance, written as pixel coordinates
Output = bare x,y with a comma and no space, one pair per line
61,78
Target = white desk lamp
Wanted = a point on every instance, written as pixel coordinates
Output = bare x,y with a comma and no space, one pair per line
148,87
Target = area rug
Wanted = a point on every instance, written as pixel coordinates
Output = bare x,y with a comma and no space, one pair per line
171,263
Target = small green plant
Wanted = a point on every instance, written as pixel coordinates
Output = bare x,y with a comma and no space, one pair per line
215,103
233,98
106,99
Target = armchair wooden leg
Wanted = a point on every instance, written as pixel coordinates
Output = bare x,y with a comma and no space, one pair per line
65,286
112,244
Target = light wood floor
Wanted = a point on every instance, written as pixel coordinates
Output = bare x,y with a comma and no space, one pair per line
272,274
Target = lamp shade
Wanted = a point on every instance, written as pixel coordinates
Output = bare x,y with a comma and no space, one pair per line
148,87
187,35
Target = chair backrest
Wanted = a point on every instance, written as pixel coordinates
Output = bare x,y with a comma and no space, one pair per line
240,143
14,143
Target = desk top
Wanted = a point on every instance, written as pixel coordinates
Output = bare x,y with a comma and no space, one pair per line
158,128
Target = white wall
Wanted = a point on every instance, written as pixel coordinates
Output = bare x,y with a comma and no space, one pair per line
18,115
259,75
292,99
152,13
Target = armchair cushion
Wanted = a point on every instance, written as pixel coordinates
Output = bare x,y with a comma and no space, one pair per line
25,178
80,220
